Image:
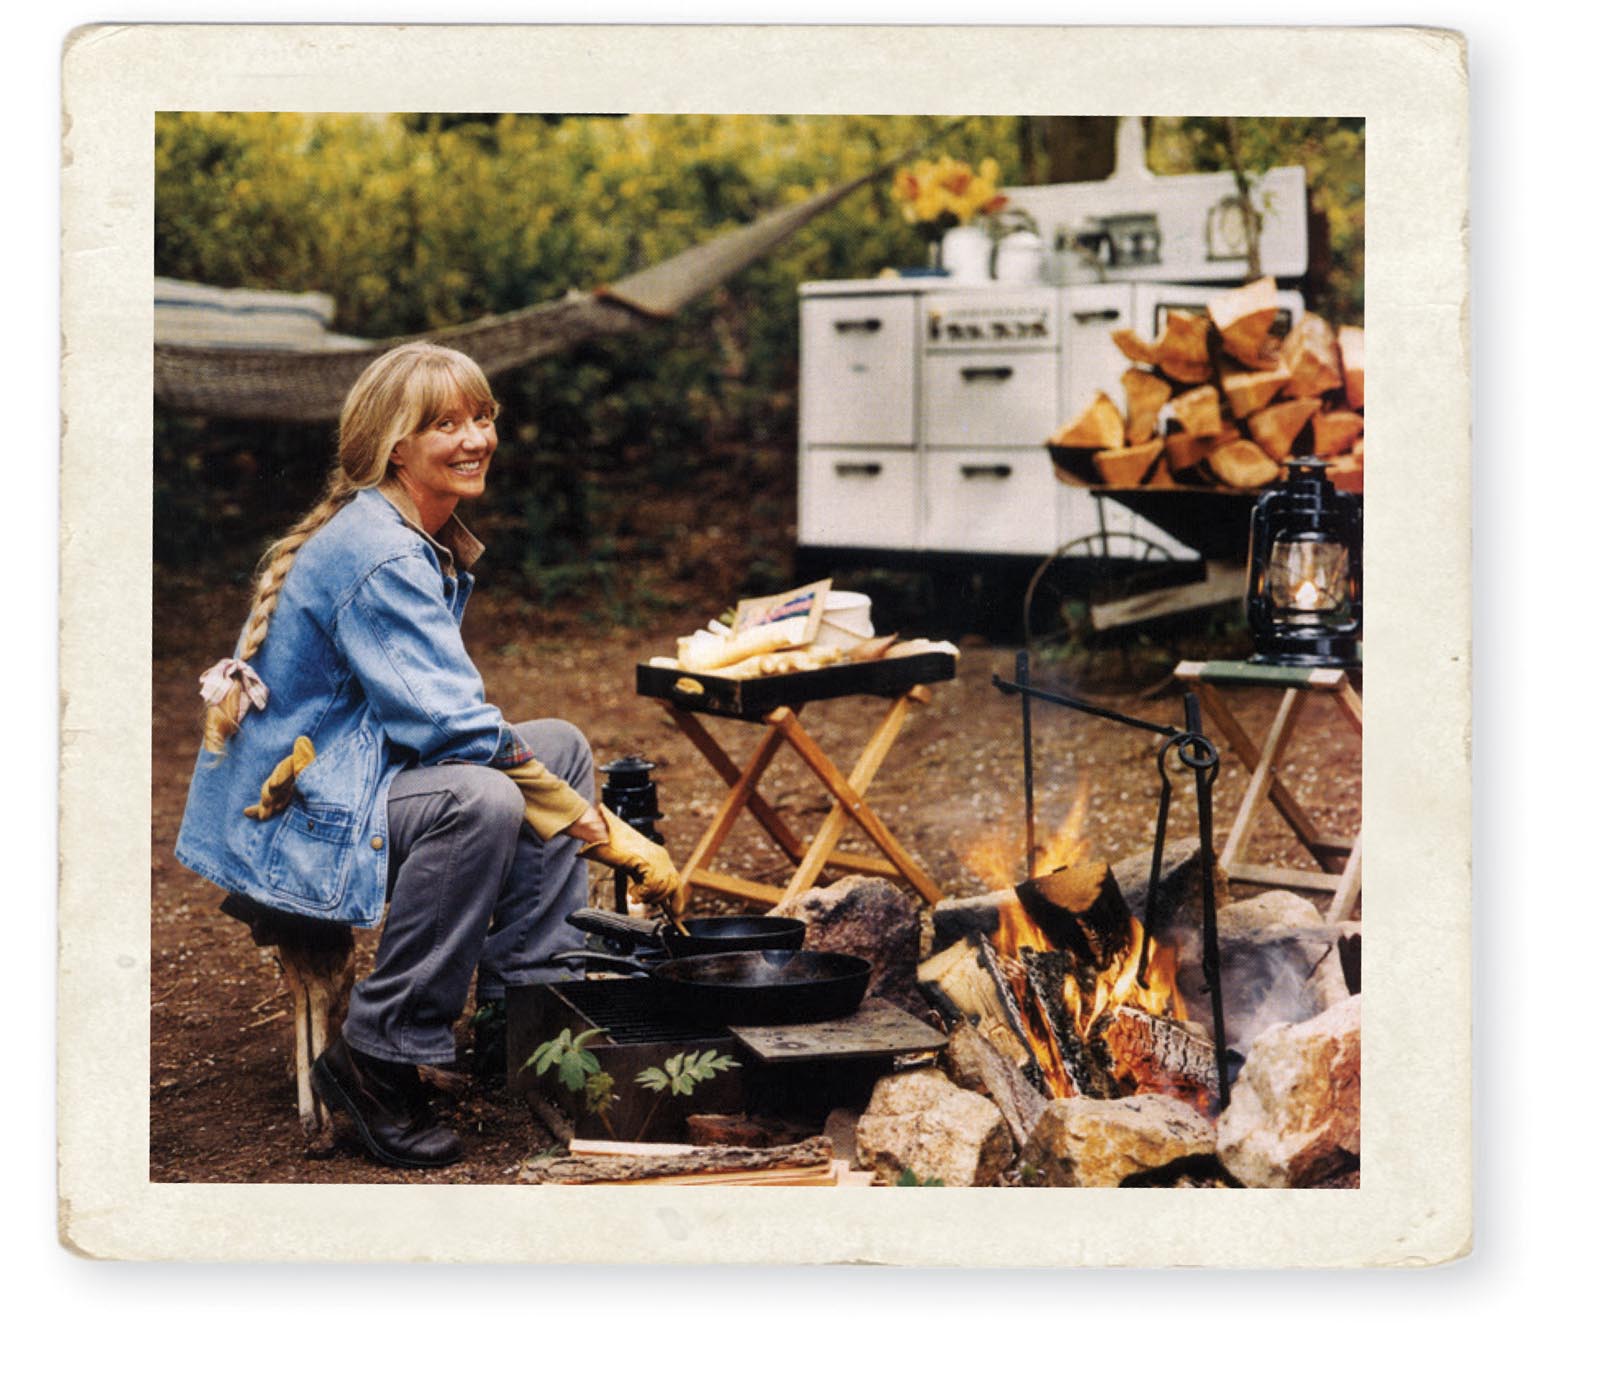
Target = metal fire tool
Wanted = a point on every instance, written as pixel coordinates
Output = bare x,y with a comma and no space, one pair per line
1197,754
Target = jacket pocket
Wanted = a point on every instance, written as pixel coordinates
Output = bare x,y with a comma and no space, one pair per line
312,853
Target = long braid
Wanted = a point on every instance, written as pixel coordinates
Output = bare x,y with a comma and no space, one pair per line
222,720
398,394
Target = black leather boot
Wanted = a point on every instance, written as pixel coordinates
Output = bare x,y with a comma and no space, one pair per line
388,1105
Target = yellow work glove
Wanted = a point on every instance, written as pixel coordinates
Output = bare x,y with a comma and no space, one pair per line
548,804
655,880
279,787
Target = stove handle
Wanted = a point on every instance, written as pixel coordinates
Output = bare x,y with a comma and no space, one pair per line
1089,317
866,326
858,469
975,374
599,960
997,470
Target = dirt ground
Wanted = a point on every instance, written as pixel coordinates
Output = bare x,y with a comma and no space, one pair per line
221,1096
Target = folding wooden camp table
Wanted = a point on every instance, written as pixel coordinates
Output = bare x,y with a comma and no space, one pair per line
775,703
1338,859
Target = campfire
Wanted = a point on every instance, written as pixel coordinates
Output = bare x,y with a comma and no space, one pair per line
1049,970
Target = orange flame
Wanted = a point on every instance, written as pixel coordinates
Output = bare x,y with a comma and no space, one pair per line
994,858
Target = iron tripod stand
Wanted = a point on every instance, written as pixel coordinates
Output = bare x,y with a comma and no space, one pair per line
1197,754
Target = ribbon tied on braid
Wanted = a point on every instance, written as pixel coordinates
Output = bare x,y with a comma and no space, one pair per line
218,682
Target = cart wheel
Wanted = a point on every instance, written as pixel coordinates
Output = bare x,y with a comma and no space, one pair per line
1082,574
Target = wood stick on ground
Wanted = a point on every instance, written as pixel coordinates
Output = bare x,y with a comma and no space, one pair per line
700,1164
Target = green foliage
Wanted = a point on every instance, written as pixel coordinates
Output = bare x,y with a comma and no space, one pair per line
1333,152
415,222
909,1180
682,1074
573,1065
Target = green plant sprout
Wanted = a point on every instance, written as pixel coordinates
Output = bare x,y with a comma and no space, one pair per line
578,1071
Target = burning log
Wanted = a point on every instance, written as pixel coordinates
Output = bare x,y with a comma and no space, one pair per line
1080,909
974,1062
1085,1061
1151,1054
966,985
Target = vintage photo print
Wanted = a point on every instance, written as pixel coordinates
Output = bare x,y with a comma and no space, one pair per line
909,726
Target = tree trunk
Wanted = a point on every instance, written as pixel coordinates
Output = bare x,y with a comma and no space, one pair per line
1079,147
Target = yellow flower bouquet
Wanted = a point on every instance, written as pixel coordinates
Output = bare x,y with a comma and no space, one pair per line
936,196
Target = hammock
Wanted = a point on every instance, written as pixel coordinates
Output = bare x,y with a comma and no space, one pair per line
291,369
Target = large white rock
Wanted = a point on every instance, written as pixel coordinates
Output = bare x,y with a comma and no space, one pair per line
1295,1114
1096,1143
924,1123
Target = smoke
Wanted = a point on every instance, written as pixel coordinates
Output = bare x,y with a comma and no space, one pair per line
1266,980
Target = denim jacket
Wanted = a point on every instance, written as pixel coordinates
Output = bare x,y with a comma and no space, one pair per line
364,656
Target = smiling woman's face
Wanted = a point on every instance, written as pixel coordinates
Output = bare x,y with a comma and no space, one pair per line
447,460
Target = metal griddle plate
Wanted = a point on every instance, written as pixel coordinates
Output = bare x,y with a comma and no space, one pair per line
877,1028
752,698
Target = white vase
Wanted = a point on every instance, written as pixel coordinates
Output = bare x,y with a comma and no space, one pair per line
965,252
1019,258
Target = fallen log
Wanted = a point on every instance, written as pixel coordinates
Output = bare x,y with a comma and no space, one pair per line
807,1161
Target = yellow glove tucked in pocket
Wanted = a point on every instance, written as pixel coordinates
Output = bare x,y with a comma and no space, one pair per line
279,787
655,879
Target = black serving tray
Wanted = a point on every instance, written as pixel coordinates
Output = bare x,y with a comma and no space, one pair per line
749,699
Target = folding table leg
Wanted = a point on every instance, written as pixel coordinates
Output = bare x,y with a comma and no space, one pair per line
1265,775
728,812
850,803
728,771
1349,889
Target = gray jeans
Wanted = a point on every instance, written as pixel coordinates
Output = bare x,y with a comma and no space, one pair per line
471,888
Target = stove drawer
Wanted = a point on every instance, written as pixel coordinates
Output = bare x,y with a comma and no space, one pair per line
857,370
864,498
987,399
990,502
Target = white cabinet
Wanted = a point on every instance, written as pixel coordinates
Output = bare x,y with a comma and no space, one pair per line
924,411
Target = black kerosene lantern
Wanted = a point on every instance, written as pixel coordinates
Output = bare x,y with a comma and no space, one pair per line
1304,600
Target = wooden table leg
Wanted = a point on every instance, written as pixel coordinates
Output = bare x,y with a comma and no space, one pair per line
729,772
728,812
1349,889
1327,853
1262,779
850,804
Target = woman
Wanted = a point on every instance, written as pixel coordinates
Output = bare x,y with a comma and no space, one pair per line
350,757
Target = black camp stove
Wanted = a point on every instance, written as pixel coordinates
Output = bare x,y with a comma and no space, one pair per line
798,1073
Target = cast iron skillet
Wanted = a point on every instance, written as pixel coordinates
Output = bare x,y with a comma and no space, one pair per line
753,987
722,935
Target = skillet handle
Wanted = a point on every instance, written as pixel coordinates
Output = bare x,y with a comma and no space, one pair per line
599,959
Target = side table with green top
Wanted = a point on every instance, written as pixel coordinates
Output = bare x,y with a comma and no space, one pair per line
1338,858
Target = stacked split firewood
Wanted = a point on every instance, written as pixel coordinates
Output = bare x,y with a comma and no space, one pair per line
1220,400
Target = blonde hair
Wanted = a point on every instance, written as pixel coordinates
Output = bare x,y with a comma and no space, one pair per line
399,394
